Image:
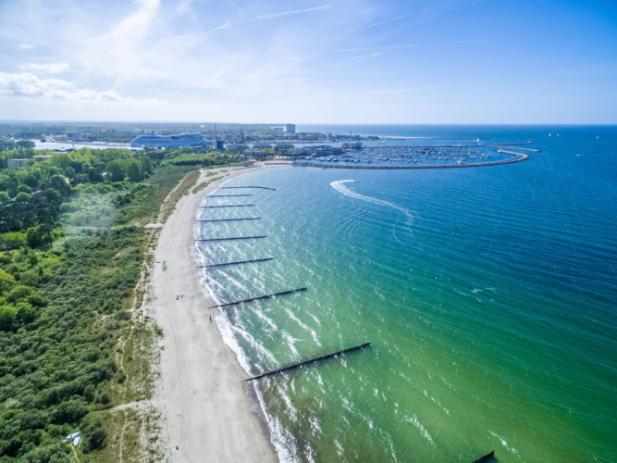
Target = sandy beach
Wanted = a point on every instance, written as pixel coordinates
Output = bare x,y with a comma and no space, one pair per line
206,411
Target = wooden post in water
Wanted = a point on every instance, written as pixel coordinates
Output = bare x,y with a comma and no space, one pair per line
259,298
490,456
238,262
248,186
321,358
228,220
232,238
220,206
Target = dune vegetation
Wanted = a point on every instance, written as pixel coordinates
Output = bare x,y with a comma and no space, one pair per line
72,253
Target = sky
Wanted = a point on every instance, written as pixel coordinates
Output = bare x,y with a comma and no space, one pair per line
310,61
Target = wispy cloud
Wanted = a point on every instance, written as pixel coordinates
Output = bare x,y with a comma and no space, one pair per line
228,23
51,68
281,14
400,46
26,46
390,20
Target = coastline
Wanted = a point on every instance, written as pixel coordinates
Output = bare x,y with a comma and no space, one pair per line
208,413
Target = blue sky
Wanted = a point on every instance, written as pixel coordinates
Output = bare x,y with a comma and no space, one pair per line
322,61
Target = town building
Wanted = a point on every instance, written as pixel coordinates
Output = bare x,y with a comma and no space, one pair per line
235,146
288,129
183,140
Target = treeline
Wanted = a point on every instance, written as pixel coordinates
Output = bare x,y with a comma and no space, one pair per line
64,298
30,197
19,145
186,157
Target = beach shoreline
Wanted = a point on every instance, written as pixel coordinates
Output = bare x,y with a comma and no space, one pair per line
208,413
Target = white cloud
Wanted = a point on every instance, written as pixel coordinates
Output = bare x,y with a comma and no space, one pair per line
27,84
52,68
26,46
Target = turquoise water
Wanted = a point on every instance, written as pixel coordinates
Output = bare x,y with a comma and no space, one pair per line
487,294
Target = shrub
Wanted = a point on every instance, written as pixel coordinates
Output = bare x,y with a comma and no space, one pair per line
94,435
69,412
8,317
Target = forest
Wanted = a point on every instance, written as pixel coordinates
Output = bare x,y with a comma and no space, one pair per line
72,245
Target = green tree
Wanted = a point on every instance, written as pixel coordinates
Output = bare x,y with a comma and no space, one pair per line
7,281
39,236
61,184
25,313
134,171
94,434
8,317
116,170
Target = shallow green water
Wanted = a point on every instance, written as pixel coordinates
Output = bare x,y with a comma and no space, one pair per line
488,295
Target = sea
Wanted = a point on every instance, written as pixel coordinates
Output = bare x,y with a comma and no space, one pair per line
487,294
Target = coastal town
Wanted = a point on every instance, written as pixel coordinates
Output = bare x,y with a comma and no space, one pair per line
284,143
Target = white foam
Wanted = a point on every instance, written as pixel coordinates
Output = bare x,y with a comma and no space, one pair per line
504,444
339,185
436,402
302,325
420,427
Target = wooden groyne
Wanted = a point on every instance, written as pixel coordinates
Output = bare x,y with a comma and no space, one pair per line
259,298
248,186
220,206
238,262
303,363
490,456
230,196
232,238
238,219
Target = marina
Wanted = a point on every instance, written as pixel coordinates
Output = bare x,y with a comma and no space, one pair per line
410,157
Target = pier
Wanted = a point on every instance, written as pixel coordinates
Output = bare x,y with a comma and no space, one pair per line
227,205
490,456
230,196
238,262
249,186
321,358
228,220
231,238
259,298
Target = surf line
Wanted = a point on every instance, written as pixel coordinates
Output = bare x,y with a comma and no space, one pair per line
339,185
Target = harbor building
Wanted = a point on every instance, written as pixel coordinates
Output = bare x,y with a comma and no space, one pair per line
288,129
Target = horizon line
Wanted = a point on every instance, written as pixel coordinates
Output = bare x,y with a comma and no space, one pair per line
136,121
